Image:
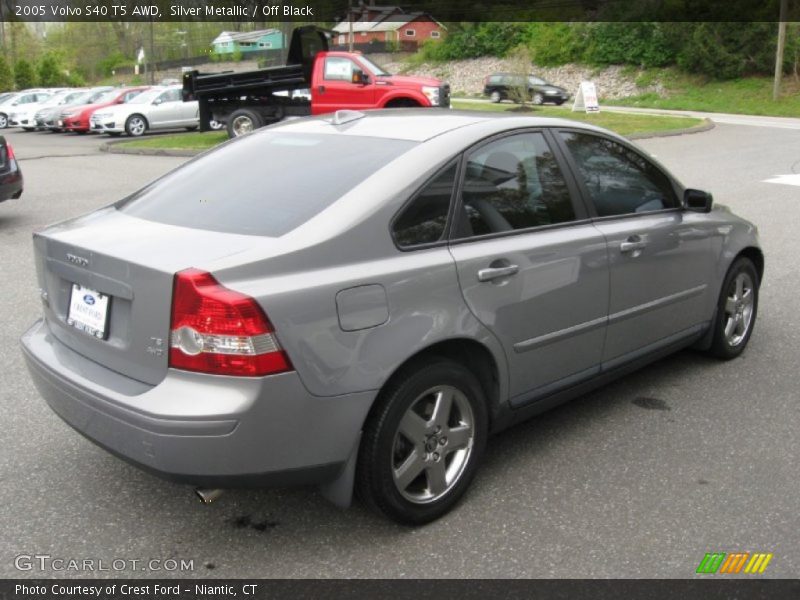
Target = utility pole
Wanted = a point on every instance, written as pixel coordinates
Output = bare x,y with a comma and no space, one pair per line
776,85
350,21
152,68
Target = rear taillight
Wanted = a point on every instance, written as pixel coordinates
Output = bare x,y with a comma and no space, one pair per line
216,330
9,152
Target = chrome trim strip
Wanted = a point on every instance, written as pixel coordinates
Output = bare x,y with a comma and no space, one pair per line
653,305
555,336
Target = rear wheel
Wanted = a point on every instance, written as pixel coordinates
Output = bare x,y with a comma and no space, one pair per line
3,121
135,126
423,443
495,97
736,310
537,99
243,121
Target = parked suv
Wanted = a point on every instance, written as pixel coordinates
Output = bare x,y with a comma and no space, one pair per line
501,86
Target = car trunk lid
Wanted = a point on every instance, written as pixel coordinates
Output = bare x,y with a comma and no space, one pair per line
127,265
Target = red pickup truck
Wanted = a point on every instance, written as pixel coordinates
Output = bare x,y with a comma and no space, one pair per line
314,81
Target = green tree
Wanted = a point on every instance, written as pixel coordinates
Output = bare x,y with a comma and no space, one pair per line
51,74
24,75
6,76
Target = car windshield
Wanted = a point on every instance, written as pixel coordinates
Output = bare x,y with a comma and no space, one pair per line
108,96
263,184
93,97
72,97
373,67
145,97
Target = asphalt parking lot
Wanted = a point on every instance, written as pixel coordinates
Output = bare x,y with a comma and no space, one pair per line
639,479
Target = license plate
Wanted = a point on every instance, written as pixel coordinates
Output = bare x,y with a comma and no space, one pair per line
88,311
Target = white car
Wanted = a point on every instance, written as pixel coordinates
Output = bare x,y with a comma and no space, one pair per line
18,101
157,108
24,115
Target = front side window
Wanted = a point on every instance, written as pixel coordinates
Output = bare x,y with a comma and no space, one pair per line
338,69
619,180
424,220
513,183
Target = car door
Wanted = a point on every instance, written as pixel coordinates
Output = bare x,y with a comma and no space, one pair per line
531,266
165,110
659,257
337,91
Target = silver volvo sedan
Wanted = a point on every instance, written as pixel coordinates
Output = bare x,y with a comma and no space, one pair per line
357,301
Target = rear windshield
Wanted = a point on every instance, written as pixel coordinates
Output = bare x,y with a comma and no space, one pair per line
264,184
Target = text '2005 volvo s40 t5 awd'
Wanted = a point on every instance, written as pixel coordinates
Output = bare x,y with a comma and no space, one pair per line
358,301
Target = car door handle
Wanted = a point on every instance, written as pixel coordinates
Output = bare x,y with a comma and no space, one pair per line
497,272
631,245
321,89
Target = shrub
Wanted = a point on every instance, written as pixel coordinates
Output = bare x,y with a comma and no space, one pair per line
24,75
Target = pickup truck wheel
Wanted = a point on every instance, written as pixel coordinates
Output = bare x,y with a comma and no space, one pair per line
423,442
243,121
216,125
135,126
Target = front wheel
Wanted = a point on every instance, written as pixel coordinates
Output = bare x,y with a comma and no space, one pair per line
3,121
537,99
495,97
135,126
423,442
736,310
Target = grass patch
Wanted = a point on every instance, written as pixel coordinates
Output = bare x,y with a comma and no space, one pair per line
621,123
746,96
181,141
624,124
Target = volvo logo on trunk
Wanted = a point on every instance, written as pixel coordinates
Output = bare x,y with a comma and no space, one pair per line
78,260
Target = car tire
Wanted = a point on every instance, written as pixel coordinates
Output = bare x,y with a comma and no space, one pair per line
495,97
216,125
736,310
537,99
243,121
3,120
136,125
414,465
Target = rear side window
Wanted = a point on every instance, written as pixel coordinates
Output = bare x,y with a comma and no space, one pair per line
513,183
263,184
619,180
424,220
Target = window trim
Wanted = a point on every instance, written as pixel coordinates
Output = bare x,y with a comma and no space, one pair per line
445,239
581,215
584,191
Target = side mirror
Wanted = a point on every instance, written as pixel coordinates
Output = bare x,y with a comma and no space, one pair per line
359,77
697,201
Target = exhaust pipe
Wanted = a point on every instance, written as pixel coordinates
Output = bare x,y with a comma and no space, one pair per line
208,496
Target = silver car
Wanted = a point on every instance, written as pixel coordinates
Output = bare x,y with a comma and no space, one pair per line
359,300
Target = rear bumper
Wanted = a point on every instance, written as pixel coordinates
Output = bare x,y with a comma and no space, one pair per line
198,429
11,184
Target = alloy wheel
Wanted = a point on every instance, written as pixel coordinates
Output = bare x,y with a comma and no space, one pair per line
739,309
432,445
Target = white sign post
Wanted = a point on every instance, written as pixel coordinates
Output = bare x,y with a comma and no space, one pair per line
586,98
